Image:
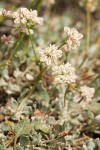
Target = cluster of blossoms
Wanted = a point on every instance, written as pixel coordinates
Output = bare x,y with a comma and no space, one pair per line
87,94
24,19
64,73
50,55
73,37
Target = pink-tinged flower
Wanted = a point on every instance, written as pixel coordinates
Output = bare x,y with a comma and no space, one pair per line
73,37
7,40
5,13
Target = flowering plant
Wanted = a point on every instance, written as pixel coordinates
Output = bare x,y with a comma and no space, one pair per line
49,96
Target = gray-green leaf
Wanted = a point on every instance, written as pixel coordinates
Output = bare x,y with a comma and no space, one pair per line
24,140
22,128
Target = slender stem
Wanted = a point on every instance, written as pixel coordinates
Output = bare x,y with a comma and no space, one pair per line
76,89
83,61
21,105
39,5
97,77
89,128
97,90
15,49
31,4
30,36
13,53
89,77
66,54
15,143
2,65
63,134
4,145
53,90
88,20
65,95
81,139
62,45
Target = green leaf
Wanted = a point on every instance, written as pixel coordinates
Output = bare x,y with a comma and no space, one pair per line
1,147
74,121
5,126
39,125
90,144
91,115
23,127
43,95
97,141
14,103
24,140
95,107
19,148
97,119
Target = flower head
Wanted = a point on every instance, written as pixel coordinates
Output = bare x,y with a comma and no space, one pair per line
5,13
5,39
8,40
64,73
21,15
23,18
34,19
50,55
73,37
87,92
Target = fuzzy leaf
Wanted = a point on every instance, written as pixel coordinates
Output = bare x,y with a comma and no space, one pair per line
38,125
1,147
24,140
5,126
97,141
91,115
23,127
19,148
43,95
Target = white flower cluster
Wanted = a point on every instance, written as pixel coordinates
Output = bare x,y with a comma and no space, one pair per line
23,17
87,92
64,73
73,37
50,55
